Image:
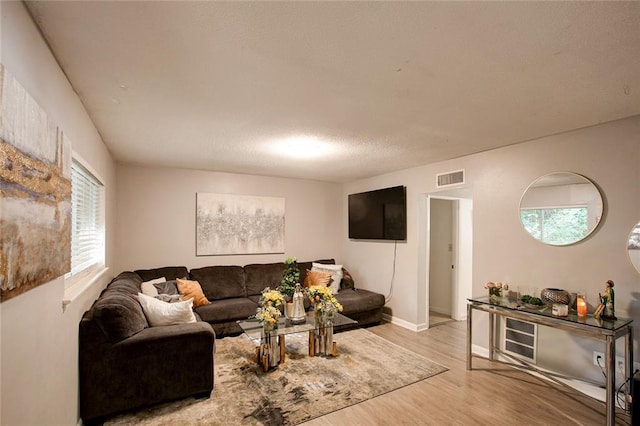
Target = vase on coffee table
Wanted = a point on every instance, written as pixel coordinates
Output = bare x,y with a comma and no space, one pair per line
269,350
321,341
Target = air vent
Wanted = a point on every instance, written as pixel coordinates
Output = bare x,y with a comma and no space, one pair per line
451,178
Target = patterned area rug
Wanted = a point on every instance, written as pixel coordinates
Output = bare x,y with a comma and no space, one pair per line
299,390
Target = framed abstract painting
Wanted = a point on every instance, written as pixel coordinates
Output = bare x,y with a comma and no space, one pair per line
239,224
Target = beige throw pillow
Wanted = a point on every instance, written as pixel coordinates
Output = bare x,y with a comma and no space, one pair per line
149,288
161,313
334,270
317,278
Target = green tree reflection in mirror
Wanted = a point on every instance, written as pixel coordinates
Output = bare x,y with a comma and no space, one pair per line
557,226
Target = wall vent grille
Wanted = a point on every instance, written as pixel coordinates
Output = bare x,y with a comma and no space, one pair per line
520,339
450,178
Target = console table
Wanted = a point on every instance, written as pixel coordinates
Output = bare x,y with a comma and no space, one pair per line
607,331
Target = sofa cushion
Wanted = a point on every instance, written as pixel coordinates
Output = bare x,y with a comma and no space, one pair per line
119,315
303,267
359,301
169,272
326,261
125,285
347,282
227,310
128,275
161,313
191,290
221,282
259,276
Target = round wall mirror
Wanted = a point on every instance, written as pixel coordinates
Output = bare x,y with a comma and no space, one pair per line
634,246
561,208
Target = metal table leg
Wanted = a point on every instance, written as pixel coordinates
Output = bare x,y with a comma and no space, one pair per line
628,362
469,355
492,335
610,360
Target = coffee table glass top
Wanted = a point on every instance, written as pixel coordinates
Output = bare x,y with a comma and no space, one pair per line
254,330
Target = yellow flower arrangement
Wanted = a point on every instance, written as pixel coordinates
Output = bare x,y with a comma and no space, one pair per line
268,312
323,299
268,316
271,297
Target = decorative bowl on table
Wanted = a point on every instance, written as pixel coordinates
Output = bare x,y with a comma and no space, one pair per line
555,295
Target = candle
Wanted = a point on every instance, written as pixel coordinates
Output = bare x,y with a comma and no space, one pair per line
581,305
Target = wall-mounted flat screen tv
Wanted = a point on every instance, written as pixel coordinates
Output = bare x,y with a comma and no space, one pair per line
378,215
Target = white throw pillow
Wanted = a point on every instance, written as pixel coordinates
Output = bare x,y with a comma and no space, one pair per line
148,287
162,313
334,270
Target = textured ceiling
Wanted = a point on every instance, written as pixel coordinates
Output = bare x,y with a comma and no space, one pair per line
382,86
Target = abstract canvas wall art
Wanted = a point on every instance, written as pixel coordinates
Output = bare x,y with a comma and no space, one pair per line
238,224
35,193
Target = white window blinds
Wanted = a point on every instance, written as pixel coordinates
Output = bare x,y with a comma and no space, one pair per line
87,227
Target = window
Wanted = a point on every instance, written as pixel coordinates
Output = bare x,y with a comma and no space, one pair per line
87,217
561,225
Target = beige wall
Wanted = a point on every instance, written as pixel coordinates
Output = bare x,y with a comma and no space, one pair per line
609,154
157,218
39,344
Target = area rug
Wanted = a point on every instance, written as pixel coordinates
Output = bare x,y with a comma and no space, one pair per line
301,389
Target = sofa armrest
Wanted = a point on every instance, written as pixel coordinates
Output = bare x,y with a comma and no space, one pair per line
169,335
157,364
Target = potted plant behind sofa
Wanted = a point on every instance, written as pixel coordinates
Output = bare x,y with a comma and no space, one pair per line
290,277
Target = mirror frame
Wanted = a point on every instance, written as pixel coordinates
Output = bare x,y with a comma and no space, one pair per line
571,178
633,246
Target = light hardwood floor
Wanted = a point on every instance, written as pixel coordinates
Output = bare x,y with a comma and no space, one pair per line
437,319
490,394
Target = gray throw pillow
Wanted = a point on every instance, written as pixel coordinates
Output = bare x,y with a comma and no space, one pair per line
169,298
167,287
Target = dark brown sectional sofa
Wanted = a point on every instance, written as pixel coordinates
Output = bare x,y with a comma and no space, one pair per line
234,292
126,364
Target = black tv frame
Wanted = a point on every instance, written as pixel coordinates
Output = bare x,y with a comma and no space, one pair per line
380,214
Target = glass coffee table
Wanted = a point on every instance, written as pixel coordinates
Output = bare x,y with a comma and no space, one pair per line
270,347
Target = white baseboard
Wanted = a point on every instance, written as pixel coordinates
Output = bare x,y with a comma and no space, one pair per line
589,389
402,323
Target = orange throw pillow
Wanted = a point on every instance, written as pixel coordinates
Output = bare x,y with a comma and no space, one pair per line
192,290
317,278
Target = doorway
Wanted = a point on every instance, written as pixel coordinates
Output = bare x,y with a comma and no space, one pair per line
441,260
448,257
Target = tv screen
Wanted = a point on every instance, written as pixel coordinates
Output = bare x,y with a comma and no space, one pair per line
378,215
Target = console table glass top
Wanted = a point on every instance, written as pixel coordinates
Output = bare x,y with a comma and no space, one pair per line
546,311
